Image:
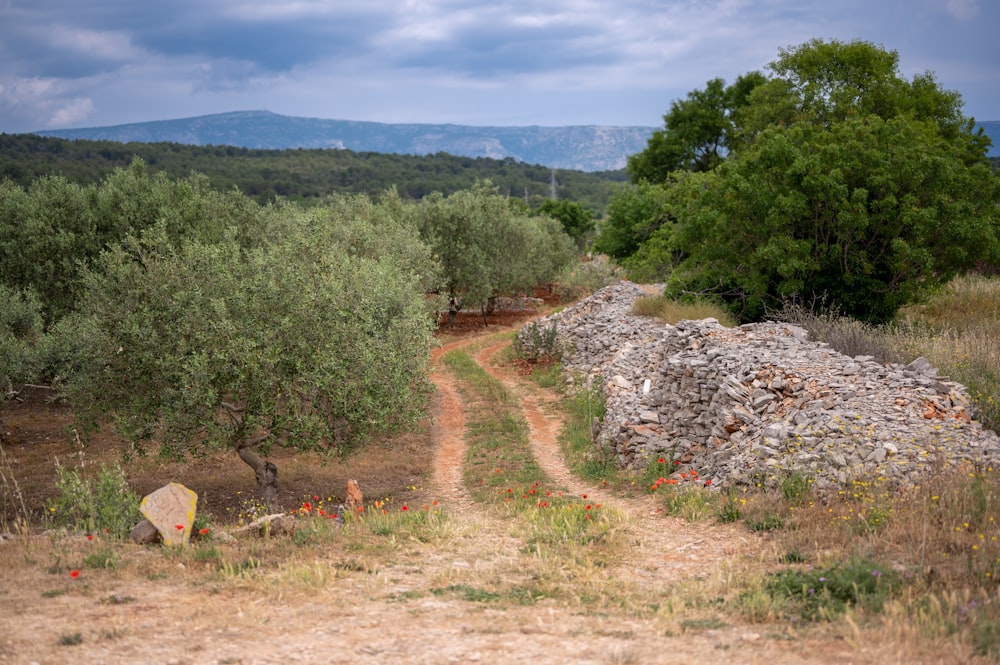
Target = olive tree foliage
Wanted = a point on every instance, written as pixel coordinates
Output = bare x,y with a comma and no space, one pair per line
52,228
20,329
486,247
299,332
849,185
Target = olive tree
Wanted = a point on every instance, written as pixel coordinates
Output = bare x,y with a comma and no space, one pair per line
486,246
285,336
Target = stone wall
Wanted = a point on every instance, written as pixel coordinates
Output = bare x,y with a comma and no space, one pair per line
748,405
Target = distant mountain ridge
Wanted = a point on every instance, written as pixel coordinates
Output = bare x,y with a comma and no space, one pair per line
581,148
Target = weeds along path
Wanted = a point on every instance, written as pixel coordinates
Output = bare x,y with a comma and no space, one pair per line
663,548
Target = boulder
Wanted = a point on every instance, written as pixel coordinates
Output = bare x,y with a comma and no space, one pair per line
170,510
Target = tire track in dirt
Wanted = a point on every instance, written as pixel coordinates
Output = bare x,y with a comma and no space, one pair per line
449,430
662,545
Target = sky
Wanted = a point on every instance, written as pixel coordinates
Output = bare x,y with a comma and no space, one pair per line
90,63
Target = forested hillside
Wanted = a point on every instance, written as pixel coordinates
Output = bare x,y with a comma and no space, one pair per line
300,174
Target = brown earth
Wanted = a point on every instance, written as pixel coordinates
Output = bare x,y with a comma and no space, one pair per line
382,604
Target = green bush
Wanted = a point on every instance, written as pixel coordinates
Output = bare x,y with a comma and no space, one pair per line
102,504
824,593
538,342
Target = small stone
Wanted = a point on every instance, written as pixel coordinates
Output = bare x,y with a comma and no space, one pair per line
355,501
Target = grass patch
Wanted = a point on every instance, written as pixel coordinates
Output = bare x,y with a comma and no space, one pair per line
501,470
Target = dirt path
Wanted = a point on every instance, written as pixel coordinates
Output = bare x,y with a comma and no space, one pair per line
392,604
663,547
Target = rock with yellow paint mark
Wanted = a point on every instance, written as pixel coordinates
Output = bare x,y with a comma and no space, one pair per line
171,510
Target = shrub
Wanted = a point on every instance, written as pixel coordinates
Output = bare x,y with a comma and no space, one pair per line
538,342
104,503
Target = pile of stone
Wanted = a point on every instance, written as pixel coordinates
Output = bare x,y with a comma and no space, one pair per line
753,404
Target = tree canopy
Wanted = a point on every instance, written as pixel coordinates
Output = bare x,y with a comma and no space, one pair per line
200,319
844,183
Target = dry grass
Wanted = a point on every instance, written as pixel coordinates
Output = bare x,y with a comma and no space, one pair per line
672,311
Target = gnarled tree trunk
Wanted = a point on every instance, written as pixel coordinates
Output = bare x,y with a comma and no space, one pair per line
266,472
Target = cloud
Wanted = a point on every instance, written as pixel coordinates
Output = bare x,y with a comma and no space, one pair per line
553,62
72,113
963,10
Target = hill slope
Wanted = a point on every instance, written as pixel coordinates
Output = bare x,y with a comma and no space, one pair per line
583,148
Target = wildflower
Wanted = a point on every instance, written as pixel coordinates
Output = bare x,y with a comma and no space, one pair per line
179,527
587,507
404,508
90,536
74,573
708,483
661,460
584,496
677,462
315,497
204,531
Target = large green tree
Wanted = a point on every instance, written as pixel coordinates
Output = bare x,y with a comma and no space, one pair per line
850,184
698,131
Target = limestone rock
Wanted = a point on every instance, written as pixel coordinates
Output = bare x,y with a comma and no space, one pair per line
761,400
144,533
278,524
171,510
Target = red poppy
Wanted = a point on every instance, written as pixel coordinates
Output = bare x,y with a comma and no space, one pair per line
179,527
315,497
434,503
204,532
404,508
661,460
74,573
90,536
584,496
677,462
322,512
708,482
587,507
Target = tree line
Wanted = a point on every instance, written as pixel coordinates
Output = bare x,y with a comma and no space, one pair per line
195,317
302,175
831,180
